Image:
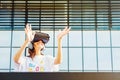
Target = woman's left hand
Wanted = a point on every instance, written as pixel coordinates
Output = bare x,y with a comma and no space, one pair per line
63,33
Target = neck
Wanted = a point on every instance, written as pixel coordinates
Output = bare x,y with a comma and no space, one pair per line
38,52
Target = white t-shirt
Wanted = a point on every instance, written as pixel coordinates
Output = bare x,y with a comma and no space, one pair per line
41,63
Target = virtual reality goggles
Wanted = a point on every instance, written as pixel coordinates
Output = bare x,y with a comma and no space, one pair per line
44,37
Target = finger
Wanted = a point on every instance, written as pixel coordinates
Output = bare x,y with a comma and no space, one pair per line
33,33
27,25
65,29
26,30
69,29
30,27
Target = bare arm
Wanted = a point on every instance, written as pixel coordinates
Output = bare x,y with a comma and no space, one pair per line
58,58
20,51
29,37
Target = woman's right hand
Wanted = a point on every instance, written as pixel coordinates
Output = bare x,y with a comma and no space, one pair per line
29,33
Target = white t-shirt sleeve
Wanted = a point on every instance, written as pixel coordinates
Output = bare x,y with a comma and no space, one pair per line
18,67
55,67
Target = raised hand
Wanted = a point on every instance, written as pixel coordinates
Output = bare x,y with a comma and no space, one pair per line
63,33
29,33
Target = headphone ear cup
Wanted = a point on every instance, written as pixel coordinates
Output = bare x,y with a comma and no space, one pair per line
30,45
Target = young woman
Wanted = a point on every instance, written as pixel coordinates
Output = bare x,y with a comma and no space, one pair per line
36,61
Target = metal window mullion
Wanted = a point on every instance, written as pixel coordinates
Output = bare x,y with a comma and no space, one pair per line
82,38
109,15
110,27
97,59
40,17
54,29
68,35
96,36
26,12
26,20
111,51
12,24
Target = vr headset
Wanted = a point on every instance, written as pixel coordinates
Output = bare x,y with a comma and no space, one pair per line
44,37
41,36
